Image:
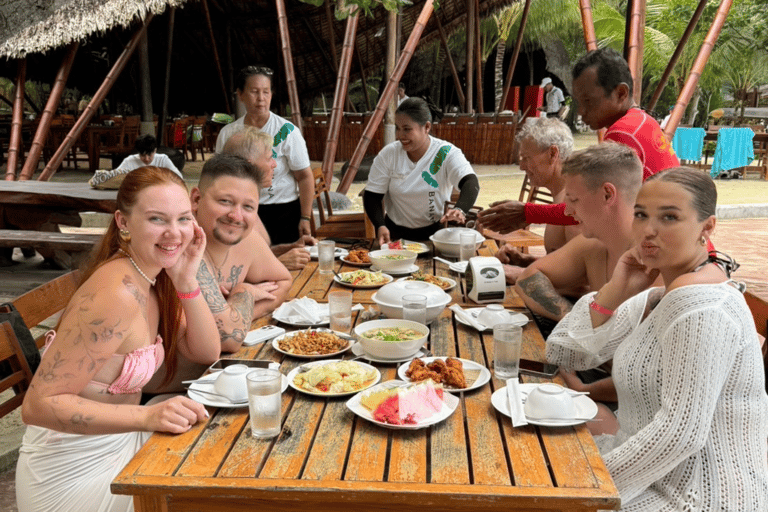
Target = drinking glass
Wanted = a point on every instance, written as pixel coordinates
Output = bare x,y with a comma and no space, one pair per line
415,308
340,309
507,341
467,244
325,255
264,401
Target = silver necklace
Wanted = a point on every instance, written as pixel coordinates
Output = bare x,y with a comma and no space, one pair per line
150,281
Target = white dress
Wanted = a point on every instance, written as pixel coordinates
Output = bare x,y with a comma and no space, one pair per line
693,411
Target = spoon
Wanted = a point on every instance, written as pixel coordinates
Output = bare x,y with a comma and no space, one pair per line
449,263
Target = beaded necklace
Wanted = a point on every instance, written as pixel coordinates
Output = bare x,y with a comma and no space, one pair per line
150,281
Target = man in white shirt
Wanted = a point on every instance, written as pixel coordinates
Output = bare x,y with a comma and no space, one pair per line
146,154
401,96
553,97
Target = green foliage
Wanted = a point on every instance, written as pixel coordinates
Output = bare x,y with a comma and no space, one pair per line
345,8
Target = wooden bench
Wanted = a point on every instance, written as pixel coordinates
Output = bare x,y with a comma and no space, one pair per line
76,243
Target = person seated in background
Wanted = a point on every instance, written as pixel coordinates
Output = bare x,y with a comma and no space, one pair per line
401,96
693,411
256,147
602,86
146,154
544,144
412,178
239,276
138,305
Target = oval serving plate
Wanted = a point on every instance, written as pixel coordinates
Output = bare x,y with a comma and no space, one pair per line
484,374
386,279
448,283
276,345
292,375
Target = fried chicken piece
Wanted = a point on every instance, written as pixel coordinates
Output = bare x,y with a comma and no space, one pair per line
452,362
438,365
418,372
454,377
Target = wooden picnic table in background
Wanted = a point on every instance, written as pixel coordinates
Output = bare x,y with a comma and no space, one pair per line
326,458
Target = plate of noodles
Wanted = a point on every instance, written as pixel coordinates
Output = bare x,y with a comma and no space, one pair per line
364,279
311,344
443,282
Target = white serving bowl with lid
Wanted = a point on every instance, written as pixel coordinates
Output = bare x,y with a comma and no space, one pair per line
393,260
389,298
391,349
448,240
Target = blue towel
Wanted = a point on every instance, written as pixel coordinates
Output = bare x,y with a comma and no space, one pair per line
688,143
734,149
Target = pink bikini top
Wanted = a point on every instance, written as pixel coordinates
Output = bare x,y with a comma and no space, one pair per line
138,367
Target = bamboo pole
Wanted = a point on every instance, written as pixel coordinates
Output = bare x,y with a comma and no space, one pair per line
470,61
515,54
363,81
46,117
636,43
147,115
93,105
167,85
342,84
331,35
698,67
588,25
478,60
216,55
14,145
389,68
290,76
627,30
676,56
386,96
454,72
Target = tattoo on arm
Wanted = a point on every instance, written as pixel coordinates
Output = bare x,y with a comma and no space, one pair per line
210,288
234,276
541,291
241,314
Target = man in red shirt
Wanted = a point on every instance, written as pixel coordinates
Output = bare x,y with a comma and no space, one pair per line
602,86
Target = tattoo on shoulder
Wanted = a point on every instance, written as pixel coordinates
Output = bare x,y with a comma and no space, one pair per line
140,297
234,275
210,288
540,290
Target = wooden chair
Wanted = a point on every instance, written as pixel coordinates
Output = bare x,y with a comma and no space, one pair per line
131,128
346,225
21,376
196,137
46,300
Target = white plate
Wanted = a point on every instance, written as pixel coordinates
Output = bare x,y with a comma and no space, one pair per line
338,253
514,318
357,349
409,270
585,407
447,279
482,379
388,278
295,371
450,402
354,263
423,248
276,346
459,266
206,384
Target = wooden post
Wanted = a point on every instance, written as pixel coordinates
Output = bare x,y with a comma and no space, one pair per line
454,73
389,70
167,86
627,30
588,25
515,54
147,120
342,84
698,67
386,96
676,56
14,145
290,76
363,81
636,43
331,35
478,60
470,66
93,105
48,112
216,55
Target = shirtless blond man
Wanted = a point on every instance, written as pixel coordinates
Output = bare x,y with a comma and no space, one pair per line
256,147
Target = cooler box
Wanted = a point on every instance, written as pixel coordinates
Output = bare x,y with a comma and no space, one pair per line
534,96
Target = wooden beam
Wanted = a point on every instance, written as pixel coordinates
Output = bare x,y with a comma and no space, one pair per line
93,105
698,67
636,44
676,56
330,62
627,30
362,79
454,72
386,96
216,55
588,25
290,76
167,84
331,35
478,60
470,61
515,55
59,83
147,114
14,145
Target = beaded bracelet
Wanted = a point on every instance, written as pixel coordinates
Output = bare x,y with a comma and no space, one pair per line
190,295
600,309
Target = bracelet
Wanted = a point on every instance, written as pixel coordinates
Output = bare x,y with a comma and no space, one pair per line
189,295
306,218
600,309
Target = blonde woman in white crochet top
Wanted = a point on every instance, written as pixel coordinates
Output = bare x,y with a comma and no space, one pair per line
693,411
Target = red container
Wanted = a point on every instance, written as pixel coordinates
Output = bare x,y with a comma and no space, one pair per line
534,97
513,99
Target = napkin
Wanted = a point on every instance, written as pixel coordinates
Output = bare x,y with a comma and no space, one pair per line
515,403
305,311
466,317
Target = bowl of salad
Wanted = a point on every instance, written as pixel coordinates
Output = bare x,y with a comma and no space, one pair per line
391,338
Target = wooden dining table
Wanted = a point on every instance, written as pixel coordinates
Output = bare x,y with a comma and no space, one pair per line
327,458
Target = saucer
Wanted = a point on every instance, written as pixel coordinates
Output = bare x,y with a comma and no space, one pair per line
409,270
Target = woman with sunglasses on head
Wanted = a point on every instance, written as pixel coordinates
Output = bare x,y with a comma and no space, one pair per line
138,304
692,423
285,207
414,177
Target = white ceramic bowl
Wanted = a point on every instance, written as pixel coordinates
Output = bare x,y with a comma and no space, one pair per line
550,401
381,259
390,298
391,349
231,382
493,314
447,241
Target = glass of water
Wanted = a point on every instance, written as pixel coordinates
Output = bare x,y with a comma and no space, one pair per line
264,401
507,342
468,242
415,308
340,310
325,255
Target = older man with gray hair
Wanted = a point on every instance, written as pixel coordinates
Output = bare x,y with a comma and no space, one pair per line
544,144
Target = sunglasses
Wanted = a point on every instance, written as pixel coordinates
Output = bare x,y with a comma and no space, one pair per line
259,70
